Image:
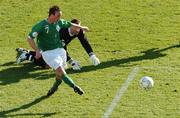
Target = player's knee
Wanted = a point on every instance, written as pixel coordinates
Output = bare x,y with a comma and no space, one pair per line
59,72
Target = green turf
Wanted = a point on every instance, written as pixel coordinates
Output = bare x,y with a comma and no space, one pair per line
123,33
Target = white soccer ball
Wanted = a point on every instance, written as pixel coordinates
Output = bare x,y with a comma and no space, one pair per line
146,82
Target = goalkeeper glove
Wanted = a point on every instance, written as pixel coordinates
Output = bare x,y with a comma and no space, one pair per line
94,60
75,65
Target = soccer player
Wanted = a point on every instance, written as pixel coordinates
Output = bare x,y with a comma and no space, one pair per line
67,34
51,48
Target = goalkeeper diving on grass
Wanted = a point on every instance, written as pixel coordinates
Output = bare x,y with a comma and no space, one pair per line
67,34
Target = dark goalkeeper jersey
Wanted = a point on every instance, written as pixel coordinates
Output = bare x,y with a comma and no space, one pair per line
66,38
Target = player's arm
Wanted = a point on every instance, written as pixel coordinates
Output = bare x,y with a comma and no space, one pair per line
33,45
67,54
84,28
85,43
65,24
75,65
32,35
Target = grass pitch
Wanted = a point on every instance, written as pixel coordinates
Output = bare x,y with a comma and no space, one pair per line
124,35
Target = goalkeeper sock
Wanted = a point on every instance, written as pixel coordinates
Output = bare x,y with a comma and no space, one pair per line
30,57
68,80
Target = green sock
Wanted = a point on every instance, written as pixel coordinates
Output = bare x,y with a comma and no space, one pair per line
68,80
57,83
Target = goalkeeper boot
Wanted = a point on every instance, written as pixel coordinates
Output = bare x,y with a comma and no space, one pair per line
21,50
21,57
78,90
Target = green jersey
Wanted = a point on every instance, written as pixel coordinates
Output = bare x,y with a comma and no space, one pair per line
47,35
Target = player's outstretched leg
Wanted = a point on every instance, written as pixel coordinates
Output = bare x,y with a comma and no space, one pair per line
78,90
54,88
70,82
61,75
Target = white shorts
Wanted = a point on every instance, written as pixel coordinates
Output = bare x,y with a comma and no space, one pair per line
55,58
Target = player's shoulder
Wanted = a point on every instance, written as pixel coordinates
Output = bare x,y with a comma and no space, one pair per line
64,30
61,20
41,23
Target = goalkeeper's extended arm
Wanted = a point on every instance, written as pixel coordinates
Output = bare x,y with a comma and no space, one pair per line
67,54
75,65
88,48
85,43
68,57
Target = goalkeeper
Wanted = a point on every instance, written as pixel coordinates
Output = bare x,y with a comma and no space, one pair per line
67,34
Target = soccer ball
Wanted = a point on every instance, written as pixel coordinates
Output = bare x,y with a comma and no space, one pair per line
146,82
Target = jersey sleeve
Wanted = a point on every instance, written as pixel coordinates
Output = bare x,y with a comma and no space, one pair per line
64,24
36,29
84,42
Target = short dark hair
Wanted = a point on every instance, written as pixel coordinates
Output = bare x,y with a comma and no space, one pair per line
53,10
75,21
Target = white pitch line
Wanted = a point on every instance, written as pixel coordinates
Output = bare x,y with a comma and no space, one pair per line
161,67
120,92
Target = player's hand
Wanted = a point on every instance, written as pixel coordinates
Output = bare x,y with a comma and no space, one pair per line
94,60
75,65
84,28
38,54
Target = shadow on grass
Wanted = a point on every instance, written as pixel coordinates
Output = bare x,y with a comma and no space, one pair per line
32,115
15,74
149,54
26,106
8,64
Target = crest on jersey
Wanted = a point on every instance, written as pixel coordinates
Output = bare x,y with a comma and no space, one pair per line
47,29
57,28
34,34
